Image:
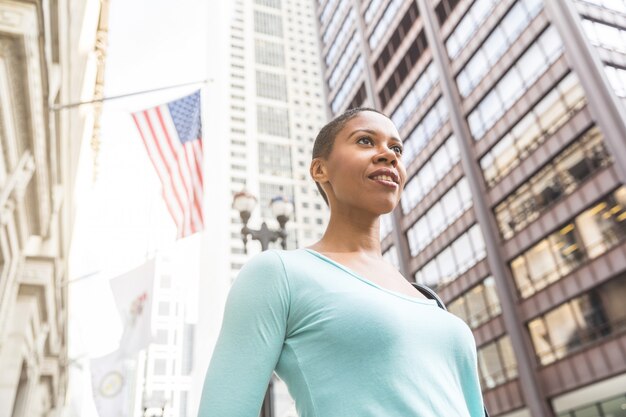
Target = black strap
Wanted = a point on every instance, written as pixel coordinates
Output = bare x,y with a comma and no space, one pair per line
430,294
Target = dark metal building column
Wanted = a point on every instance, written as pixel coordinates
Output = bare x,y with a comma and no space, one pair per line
399,240
604,105
520,340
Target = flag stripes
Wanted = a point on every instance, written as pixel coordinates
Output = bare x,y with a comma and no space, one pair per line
175,149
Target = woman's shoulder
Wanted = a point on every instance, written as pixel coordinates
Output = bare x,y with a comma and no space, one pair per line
276,262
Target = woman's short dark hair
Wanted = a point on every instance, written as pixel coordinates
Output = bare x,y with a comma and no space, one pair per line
326,137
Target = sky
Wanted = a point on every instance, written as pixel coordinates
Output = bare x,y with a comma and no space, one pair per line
121,217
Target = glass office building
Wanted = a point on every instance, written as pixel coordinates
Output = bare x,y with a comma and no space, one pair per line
514,123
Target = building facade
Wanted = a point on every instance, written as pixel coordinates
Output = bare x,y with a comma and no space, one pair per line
47,60
514,126
276,108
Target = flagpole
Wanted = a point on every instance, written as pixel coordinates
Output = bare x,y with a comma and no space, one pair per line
58,107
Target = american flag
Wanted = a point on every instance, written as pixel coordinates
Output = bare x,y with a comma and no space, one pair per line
172,134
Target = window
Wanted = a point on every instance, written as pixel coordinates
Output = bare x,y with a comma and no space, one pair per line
269,3
426,178
580,321
606,36
382,25
466,28
275,159
496,363
617,78
340,38
515,82
329,33
268,24
590,234
442,214
425,129
272,120
346,57
347,85
502,37
416,94
560,177
454,260
269,53
548,115
477,305
271,85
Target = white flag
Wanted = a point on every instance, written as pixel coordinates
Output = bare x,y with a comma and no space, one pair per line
133,294
109,381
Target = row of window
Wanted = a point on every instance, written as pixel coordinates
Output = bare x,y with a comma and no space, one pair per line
560,177
589,235
477,305
425,129
617,78
371,10
382,26
348,84
328,7
332,26
611,407
272,120
275,159
271,85
605,36
544,51
442,214
465,29
269,53
423,85
430,174
466,251
404,66
268,24
581,321
340,38
269,3
498,42
615,5
545,118
496,363
346,56
397,38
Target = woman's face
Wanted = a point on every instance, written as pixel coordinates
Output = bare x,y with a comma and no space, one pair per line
364,170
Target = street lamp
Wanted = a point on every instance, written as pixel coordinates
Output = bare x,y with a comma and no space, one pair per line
281,208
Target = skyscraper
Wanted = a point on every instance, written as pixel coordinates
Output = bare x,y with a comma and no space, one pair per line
514,125
276,108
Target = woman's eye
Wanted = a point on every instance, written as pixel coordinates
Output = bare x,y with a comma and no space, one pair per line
397,149
366,140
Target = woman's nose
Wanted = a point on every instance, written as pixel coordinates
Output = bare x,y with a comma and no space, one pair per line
389,156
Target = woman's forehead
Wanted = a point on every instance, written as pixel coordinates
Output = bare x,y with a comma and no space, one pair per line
372,123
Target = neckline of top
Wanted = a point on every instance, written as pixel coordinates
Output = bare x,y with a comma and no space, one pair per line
369,282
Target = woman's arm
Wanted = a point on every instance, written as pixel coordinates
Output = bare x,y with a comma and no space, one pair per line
250,341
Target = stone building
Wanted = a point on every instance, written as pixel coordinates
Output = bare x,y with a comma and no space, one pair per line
51,55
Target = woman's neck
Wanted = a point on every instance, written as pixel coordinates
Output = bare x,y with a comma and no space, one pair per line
351,232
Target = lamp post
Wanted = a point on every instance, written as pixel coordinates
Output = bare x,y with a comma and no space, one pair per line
282,208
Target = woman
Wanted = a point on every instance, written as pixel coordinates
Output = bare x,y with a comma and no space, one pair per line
345,331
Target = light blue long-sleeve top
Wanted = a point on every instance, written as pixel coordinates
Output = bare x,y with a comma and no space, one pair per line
345,346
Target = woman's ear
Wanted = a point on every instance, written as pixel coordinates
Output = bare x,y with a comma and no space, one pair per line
318,171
